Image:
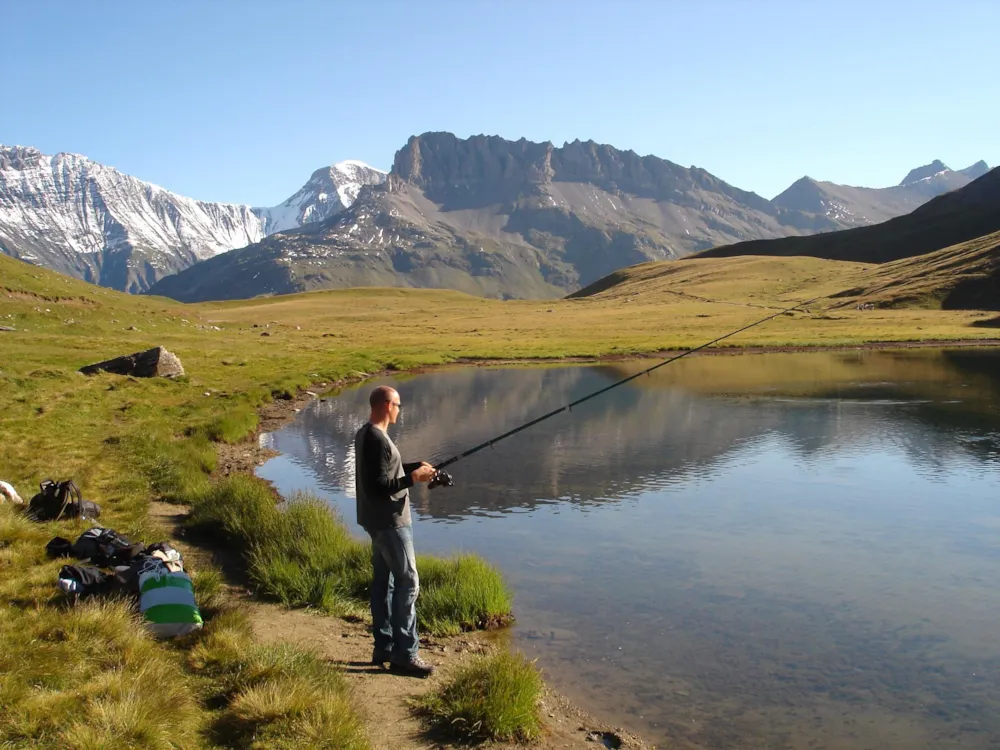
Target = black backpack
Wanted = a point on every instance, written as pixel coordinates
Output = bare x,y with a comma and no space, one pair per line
105,547
61,500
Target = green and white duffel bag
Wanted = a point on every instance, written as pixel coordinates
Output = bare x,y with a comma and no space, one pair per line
166,600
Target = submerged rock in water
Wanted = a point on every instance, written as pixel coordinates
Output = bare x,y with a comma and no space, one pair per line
152,363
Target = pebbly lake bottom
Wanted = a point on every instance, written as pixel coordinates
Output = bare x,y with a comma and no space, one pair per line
780,550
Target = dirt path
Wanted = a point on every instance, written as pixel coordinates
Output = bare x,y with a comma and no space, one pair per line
382,697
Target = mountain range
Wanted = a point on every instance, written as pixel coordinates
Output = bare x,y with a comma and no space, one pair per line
483,215
93,222
860,206
945,254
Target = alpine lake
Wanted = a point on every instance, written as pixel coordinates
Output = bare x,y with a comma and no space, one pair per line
752,551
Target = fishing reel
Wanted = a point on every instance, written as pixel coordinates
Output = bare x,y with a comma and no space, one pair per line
441,478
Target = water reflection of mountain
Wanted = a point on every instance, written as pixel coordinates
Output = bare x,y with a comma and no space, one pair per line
660,429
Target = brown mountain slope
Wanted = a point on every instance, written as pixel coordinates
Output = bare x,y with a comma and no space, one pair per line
965,214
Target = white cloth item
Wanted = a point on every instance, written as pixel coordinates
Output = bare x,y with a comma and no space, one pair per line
9,493
69,586
168,557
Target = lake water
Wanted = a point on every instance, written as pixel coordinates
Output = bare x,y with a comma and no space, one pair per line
760,551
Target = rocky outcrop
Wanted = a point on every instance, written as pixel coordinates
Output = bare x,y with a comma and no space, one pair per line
472,172
152,363
483,170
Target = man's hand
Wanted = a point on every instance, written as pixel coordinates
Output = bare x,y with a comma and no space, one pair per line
423,473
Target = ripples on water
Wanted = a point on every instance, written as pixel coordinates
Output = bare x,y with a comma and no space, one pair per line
754,551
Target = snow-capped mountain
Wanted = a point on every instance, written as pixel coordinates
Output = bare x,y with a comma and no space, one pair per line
329,191
93,222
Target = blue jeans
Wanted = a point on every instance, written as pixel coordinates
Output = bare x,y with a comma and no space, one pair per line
395,586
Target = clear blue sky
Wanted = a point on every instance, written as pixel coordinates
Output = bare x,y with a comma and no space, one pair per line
241,101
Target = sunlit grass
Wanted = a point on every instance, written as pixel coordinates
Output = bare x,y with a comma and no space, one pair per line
496,697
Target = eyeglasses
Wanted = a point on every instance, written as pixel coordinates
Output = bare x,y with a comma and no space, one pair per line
396,404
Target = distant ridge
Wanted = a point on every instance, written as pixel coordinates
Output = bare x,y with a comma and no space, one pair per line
965,214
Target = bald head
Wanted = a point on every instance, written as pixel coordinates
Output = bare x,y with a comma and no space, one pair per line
381,395
385,406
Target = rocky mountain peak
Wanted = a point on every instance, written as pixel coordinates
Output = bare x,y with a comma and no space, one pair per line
922,173
19,157
805,194
484,170
471,172
975,171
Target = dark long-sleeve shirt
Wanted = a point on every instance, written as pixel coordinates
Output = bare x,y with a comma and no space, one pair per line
381,481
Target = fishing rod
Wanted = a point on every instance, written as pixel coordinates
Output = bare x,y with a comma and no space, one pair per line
443,478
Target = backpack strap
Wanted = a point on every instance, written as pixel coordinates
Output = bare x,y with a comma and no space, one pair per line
66,491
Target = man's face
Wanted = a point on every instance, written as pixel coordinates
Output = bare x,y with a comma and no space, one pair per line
394,406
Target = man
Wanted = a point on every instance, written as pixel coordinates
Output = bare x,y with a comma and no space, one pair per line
382,483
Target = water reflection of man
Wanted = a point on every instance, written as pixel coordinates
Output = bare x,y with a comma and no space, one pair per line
382,483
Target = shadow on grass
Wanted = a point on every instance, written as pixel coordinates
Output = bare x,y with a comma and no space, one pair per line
988,323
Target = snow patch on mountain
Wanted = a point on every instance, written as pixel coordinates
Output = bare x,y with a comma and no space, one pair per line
328,192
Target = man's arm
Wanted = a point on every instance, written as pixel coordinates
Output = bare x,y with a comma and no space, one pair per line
375,467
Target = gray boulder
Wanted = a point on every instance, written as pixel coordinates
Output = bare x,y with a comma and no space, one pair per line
152,363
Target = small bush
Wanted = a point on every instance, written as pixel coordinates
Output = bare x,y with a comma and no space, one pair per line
207,588
494,698
177,469
241,507
461,593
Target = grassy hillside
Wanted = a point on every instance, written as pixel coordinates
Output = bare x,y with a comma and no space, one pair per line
963,276
965,214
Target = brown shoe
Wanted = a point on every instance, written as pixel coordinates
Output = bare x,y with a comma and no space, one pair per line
415,667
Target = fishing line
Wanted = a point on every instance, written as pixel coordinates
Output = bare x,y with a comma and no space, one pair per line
446,480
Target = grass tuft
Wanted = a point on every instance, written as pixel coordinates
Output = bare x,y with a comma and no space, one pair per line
496,697
461,593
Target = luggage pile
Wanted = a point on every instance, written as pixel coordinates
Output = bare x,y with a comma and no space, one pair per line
153,573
